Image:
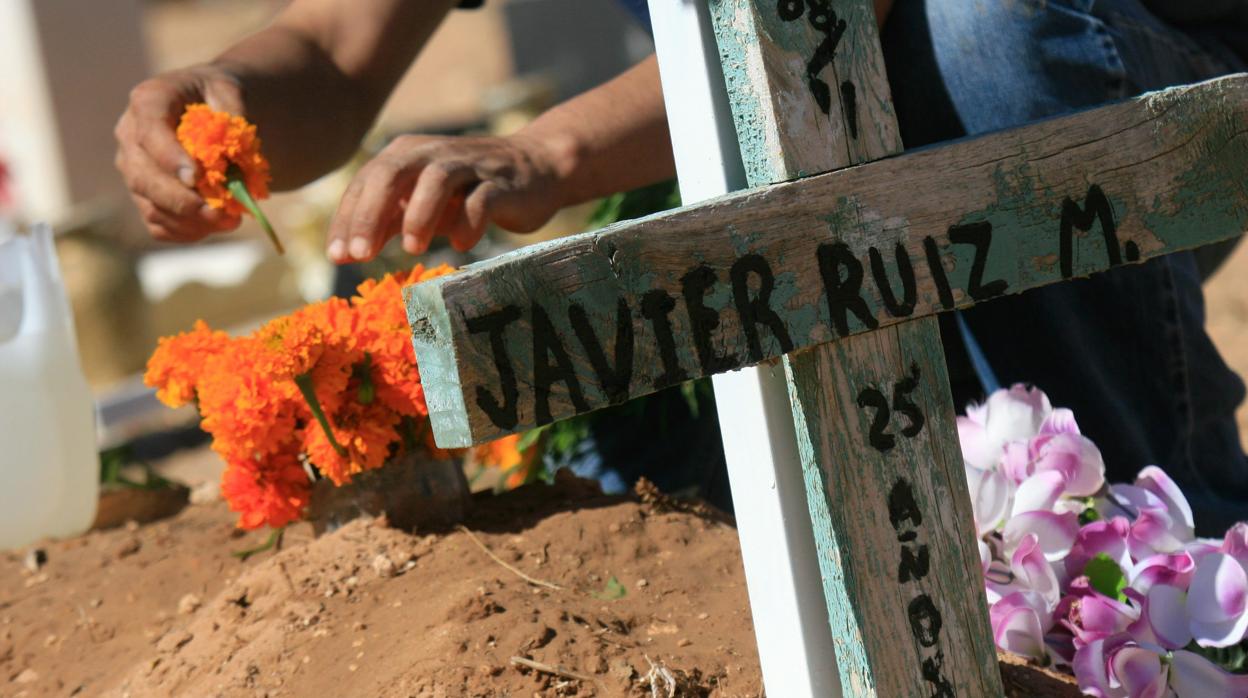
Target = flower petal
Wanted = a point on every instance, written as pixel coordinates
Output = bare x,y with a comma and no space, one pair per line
1218,601
1193,675
1139,671
1060,421
1039,492
1165,609
1018,626
1055,533
1156,481
1173,569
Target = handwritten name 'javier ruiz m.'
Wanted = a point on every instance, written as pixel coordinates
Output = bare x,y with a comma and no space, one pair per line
603,350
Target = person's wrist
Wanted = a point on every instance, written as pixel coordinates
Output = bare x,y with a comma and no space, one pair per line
557,156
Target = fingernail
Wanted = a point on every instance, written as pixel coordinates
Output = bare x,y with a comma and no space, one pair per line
337,249
411,245
360,248
186,173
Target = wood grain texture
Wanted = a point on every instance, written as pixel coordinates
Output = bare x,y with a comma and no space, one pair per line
879,649
786,71
898,558
1173,167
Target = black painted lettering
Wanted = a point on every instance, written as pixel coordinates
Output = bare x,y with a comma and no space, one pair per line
703,320
896,308
789,10
1095,207
878,437
925,621
903,404
614,380
915,563
547,344
843,293
980,235
502,414
757,310
901,506
932,667
939,277
849,99
656,306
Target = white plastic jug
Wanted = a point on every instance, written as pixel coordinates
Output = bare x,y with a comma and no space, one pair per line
49,467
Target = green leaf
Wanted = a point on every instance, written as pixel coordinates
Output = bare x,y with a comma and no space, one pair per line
612,591
1106,576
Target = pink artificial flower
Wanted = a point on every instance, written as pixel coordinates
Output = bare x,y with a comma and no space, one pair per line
1108,536
1235,544
1119,667
1092,616
1019,623
1038,492
1173,569
1218,601
1075,456
1007,415
991,497
1193,675
1033,572
1156,481
1055,533
1163,617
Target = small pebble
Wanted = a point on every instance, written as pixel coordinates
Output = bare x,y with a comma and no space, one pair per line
27,676
353,667
95,603
129,547
49,641
35,559
383,566
684,642
703,616
189,604
132,525
642,583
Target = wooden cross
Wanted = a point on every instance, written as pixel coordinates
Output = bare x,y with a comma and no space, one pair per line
837,276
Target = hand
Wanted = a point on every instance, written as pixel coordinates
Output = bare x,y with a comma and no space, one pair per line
158,172
423,186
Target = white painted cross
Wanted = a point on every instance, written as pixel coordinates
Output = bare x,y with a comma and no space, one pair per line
847,478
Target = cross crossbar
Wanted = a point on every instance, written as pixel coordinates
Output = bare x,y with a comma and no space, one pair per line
580,323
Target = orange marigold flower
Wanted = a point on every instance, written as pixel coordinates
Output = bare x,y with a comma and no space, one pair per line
248,415
272,492
505,454
217,140
177,365
365,431
385,334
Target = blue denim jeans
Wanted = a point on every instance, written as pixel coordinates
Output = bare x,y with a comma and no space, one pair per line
1126,350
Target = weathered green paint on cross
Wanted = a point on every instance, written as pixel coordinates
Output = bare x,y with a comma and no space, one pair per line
840,273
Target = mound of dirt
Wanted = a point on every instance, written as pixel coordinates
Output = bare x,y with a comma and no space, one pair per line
547,591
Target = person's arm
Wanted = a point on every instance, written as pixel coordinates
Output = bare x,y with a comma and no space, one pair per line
612,138
312,81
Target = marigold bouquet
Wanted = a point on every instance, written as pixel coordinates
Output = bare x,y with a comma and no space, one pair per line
331,390
1108,579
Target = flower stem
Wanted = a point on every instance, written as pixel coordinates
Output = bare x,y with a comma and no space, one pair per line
237,187
304,381
274,541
